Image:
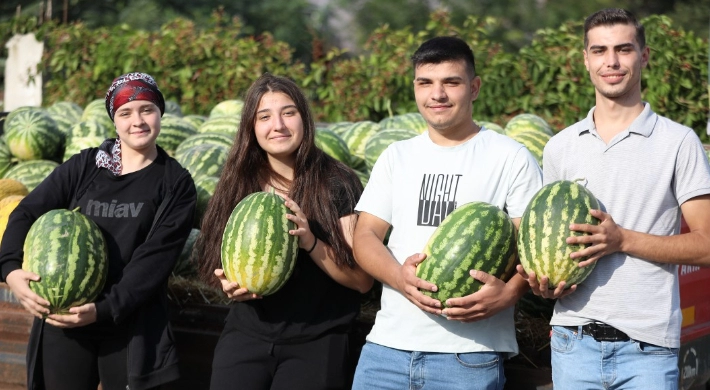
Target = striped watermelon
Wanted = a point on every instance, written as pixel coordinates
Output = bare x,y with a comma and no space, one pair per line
527,122
195,120
221,124
544,227
65,115
363,176
411,120
339,127
258,253
86,134
96,109
68,251
333,145
491,126
205,186
535,141
216,139
379,141
203,160
173,108
32,134
89,128
31,173
173,130
80,143
7,160
475,236
66,109
356,136
185,265
232,107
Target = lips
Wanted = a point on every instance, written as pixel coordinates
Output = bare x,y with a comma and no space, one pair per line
613,77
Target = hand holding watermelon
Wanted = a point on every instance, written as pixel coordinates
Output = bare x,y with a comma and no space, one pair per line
233,290
19,282
76,316
302,230
541,287
494,296
600,240
411,286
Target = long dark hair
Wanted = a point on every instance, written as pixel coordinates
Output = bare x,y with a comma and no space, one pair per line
247,169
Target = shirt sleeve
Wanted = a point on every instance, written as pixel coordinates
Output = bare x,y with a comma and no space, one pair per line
376,199
54,192
526,181
692,173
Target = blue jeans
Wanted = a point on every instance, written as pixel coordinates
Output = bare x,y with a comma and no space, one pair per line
387,368
580,362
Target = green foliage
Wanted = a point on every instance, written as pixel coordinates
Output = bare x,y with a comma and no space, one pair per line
200,67
195,68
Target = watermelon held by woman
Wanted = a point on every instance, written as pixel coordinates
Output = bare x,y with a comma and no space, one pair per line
544,228
475,236
69,253
258,253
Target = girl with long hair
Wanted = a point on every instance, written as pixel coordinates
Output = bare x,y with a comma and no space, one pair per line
298,337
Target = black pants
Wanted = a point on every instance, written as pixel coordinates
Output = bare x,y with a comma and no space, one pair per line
246,363
70,363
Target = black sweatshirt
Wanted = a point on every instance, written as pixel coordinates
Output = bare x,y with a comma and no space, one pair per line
140,259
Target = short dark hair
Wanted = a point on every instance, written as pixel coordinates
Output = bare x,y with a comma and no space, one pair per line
610,17
445,49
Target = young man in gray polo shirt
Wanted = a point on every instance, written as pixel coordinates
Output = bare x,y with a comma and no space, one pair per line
620,328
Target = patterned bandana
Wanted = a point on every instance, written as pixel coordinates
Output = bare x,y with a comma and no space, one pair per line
109,156
130,87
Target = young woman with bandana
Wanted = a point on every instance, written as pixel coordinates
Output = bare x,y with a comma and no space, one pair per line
296,338
143,201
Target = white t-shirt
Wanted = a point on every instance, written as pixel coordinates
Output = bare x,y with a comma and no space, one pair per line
413,186
640,178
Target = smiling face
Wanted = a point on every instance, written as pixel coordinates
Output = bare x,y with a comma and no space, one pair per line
614,60
445,93
138,125
278,127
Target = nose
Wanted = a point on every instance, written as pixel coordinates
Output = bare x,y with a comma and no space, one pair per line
279,123
138,119
438,92
612,59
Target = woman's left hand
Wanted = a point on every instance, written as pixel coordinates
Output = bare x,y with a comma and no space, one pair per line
306,239
78,316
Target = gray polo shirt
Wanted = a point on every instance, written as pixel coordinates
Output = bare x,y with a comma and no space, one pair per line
641,177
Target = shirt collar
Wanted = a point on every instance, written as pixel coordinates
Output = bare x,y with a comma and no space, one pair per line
643,124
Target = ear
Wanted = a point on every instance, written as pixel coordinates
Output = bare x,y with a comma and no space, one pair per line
475,88
586,59
645,56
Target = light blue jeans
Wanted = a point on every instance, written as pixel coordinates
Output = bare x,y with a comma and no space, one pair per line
580,362
383,368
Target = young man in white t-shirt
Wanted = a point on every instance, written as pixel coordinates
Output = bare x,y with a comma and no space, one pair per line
412,187
620,328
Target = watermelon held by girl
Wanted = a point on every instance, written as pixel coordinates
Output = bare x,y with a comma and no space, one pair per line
69,253
258,253
544,228
475,236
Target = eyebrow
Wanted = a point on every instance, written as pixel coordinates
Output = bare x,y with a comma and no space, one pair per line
445,79
619,46
124,108
282,108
